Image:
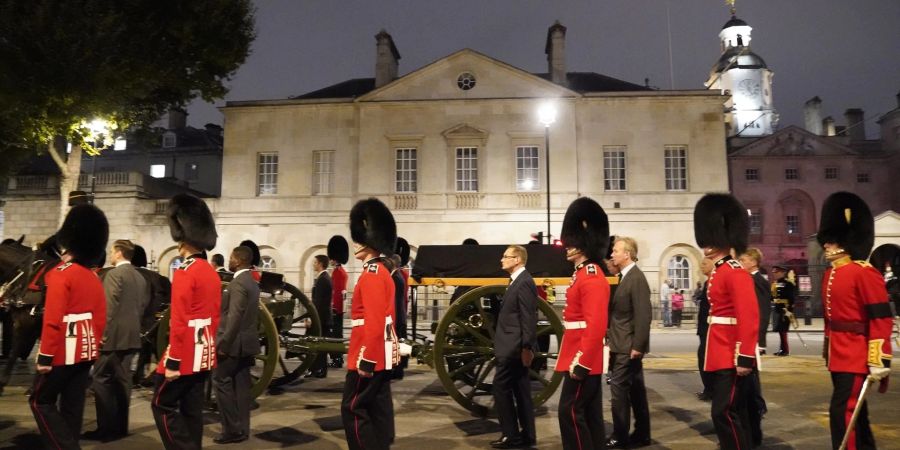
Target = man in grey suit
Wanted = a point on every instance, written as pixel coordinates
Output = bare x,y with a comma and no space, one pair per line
127,295
321,297
237,343
514,344
628,337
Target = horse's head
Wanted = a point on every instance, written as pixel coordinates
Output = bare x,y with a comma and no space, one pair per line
15,268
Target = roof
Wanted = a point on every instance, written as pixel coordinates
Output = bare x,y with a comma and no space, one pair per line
734,22
581,82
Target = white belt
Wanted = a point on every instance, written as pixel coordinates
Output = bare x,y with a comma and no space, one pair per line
199,323
577,325
69,318
721,320
357,322
201,347
72,335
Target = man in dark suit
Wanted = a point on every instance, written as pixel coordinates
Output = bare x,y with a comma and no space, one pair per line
160,289
514,344
756,404
237,343
321,297
628,337
126,297
702,301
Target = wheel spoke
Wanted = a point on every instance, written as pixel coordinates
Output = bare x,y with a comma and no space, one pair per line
543,330
452,349
488,323
474,332
467,366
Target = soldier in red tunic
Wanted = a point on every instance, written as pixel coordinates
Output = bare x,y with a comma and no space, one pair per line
339,254
858,316
74,321
366,408
196,301
720,227
585,234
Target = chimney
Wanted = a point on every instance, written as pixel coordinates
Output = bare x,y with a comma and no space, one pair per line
856,124
812,115
556,53
828,126
386,59
177,118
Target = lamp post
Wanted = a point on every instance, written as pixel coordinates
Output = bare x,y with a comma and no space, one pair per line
547,115
99,133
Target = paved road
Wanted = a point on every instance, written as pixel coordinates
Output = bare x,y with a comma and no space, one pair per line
307,416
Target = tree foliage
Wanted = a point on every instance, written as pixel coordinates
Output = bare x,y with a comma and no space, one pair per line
64,63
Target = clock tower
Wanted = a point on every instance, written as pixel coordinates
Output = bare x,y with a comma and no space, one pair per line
745,76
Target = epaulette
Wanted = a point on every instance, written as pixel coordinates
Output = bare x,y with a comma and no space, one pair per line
735,264
862,263
592,269
187,263
371,268
64,266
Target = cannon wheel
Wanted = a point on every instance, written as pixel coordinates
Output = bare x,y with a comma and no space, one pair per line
303,310
464,351
265,361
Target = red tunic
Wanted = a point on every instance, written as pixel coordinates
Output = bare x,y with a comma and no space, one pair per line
195,310
853,292
373,344
587,301
732,298
74,316
338,288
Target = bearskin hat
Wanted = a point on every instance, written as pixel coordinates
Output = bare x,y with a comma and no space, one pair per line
338,250
886,254
140,257
586,228
190,221
79,198
720,221
254,249
847,221
372,224
402,250
84,233
609,248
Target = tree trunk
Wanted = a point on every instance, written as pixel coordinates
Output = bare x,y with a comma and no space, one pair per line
69,170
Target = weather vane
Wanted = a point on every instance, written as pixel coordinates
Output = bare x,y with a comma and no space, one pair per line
731,3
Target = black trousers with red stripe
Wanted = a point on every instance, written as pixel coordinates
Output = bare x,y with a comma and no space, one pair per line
367,411
843,401
729,409
177,407
581,413
60,426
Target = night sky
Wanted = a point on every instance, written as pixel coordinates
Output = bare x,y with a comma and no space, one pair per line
843,51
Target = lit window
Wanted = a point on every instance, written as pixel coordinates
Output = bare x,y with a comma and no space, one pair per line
323,172
792,224
406,175
676,167
751,174
158,171
527,170
467,169
831,173
614,168
679,272
755,220
120,144
267,174
791,174
862,177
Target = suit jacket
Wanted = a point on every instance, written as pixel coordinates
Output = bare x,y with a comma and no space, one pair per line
127,295
764,298
160,290
702,310
321,297
237,335
517,321
629,314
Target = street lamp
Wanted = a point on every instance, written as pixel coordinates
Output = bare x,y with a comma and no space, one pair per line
546,116
99,134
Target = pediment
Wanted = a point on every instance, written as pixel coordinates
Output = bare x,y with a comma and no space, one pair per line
492,79
794,141
464,131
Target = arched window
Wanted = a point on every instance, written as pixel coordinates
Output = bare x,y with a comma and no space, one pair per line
267,263
680,272
173,266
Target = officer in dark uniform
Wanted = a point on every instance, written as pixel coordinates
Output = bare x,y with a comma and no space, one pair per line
366,408
339,254
177,402
784,293
886,259
585,234
74,321
321,298
858,318
720,227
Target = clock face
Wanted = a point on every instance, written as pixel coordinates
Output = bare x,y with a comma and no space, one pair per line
749,88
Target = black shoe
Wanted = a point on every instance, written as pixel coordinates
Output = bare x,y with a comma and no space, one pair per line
782,353
639,441
230,439
615,443
762,351
506,442
704,396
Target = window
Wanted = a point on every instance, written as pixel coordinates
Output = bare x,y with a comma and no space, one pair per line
323,172
466,169
676,168
862,177
169,140
679,272
267,262
120,144
407,170
755,219
527,170
267,174
465,81
831,173
792,224
191,171
614,168
791,174
158,170
751,174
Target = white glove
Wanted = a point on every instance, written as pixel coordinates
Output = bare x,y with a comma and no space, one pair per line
877,373
405,349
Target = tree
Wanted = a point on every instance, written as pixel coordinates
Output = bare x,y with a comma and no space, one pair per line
66,63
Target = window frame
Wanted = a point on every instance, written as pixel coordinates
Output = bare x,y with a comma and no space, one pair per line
682,272
531,160
469,174
266,181
671,170
609,172
755,174
406,170
322,172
